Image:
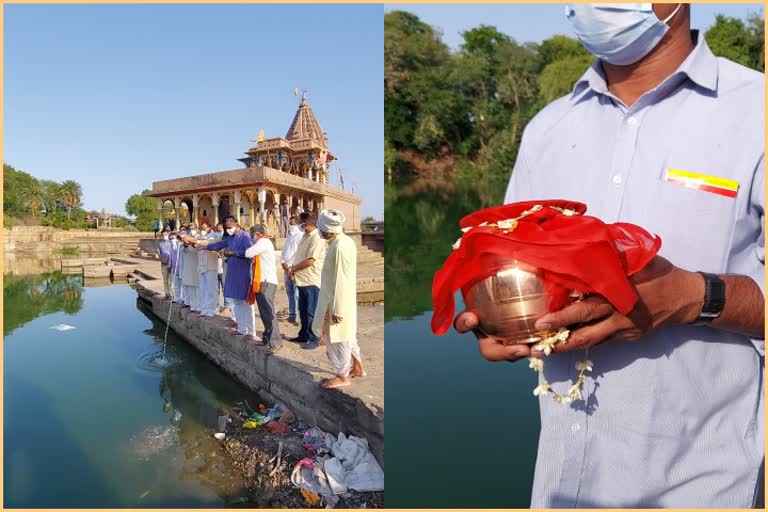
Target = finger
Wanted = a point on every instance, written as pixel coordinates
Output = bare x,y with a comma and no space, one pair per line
592,308
494,350
593,334
466,321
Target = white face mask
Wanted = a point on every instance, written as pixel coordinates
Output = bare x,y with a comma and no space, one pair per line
620,34
230,231
193,232
165,237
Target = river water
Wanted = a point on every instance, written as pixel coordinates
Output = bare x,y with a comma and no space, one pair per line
87,423
461,432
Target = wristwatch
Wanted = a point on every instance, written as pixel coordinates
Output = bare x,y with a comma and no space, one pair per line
714,299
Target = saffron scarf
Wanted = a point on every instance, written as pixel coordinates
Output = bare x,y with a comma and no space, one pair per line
256,282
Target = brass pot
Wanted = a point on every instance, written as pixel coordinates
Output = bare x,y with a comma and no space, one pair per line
508,304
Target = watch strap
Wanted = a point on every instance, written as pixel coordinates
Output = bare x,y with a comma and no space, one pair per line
714,299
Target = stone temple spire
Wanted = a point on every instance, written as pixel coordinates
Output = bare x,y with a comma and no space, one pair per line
305,126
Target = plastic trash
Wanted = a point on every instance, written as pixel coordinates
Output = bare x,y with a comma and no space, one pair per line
310,497
277,411
276,428
315,440
250,424
222,424
259,419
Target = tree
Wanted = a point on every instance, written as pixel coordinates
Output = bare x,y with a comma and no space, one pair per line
738,41
71,192
142,207
32,195
558,48
52,194
558,78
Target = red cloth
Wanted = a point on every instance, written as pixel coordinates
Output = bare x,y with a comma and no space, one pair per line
578,252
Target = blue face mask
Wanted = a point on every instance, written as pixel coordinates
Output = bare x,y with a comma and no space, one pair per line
619,34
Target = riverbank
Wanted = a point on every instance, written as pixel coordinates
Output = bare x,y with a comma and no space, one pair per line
292,376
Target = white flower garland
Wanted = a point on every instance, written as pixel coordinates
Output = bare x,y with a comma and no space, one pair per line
537,364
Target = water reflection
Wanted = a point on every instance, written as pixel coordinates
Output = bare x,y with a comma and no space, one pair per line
30,264
450,404
194,395
427,214
28,297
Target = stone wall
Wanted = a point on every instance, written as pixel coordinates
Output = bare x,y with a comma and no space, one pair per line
374,241
43,238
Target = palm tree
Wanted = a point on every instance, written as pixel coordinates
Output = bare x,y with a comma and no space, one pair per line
32,194
52,193
71,191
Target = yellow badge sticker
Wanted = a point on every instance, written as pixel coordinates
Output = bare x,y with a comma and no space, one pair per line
714,184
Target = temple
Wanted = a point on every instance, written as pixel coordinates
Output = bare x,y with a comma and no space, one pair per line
294,169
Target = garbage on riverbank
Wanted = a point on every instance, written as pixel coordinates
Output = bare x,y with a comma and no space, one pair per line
284,463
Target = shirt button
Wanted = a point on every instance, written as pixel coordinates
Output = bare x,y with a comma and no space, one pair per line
631,121
575,427
617,180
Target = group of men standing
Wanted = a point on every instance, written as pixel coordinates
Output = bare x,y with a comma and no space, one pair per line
319,273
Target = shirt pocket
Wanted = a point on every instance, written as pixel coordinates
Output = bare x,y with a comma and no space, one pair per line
695,217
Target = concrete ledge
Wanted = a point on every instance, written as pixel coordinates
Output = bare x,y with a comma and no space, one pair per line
290,377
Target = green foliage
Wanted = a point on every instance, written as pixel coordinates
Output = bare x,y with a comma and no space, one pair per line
738,41
29,201
558,78
558,48
28,297
142,207
70,192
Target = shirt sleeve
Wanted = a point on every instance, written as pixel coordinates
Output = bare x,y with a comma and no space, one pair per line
256,249
221,244
757,204
316,251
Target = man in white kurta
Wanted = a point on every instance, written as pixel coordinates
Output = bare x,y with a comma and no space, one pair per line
265,298
336,313
190,278
208,268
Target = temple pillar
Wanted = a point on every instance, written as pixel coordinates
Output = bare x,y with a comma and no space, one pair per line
236,212
261,195
215,207
193,215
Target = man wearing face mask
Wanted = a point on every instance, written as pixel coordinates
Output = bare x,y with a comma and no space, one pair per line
178,288
190,276
661,133
238,279
164,250
207,266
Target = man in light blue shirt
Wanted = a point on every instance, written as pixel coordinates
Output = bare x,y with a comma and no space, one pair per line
661,133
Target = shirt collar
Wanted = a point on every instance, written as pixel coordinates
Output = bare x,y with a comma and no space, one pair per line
700,67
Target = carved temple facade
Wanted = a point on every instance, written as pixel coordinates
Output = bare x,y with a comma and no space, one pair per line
295,168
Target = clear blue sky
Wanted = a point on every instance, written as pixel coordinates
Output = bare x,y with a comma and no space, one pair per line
118,96
535,22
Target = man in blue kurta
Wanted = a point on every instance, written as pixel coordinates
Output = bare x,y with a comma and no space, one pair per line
238,278
661,133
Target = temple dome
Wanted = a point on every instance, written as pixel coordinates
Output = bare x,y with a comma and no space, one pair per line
305,126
